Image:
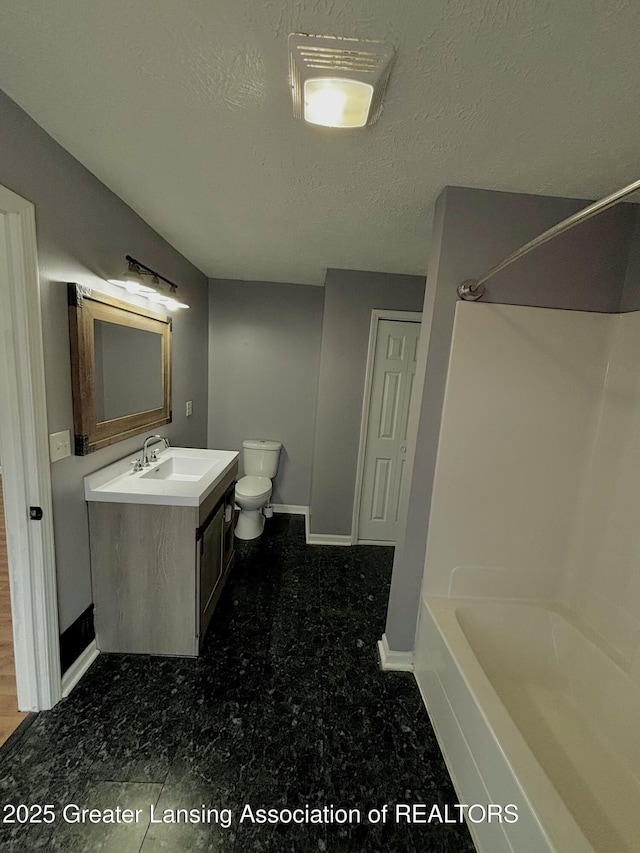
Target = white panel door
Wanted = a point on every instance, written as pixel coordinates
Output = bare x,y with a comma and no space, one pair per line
386,440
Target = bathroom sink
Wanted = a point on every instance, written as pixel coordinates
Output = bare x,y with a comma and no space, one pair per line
181,476
185,469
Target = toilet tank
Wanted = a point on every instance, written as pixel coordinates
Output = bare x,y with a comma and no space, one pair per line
260,457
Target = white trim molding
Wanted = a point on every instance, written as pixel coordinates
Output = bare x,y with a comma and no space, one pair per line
376,316
392,660
78,668
313,538
328,539
291,509
27,479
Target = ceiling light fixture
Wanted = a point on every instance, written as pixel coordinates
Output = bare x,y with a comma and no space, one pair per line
338,82
163,291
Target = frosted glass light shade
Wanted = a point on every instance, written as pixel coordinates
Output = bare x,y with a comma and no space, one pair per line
132,287
337,102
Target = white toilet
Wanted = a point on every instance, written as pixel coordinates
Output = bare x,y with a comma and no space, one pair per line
253,491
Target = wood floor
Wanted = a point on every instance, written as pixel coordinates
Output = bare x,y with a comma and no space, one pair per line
10,717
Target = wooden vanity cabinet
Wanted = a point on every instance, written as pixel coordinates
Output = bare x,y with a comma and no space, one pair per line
157,571
216,540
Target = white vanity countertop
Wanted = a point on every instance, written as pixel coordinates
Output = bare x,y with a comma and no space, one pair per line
181,476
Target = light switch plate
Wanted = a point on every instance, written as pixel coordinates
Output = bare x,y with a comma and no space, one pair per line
59,445
189,408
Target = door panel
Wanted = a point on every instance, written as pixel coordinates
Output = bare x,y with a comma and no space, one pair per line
389,405
395,347
386,440
380,496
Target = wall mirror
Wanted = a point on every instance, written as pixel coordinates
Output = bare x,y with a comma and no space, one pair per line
120,369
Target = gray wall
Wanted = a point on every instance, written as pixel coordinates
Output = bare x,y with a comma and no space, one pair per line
473,230
631,293
84,231
264,348
349,298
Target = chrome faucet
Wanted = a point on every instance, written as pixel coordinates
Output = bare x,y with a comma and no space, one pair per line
145,458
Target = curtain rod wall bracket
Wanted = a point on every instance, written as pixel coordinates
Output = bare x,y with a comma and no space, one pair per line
471,290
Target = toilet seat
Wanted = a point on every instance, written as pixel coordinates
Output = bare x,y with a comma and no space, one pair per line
253,487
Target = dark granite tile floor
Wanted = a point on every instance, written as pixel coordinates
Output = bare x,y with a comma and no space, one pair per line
287,707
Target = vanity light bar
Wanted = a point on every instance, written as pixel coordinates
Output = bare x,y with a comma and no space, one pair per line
132,284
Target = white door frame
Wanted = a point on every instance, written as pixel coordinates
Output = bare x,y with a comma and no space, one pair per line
376,316
24,451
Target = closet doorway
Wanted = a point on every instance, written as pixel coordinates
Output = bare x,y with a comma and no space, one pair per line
391,365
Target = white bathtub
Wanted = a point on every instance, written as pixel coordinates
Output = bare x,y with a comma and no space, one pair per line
530,708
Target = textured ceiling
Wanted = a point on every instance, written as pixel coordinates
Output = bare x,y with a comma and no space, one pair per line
182,108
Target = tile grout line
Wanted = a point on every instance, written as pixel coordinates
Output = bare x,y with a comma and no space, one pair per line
146,832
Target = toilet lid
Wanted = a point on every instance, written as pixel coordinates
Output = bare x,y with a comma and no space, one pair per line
251,487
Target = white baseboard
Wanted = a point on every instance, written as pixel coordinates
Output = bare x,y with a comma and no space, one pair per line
390,660
78,668
312,538
323,538
291,509
327,539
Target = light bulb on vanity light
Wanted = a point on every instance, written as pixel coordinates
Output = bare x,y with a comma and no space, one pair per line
132,287
170,302
141,289
160,290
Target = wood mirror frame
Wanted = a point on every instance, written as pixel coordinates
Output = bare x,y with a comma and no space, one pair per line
85,307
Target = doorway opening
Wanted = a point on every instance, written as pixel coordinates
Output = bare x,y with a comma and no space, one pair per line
10,716
24,451
391,364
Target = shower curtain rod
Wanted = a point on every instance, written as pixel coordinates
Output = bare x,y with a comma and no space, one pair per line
473,289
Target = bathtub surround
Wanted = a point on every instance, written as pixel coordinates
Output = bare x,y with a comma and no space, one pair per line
83,233
540,506
473,230
524,389
553,400
601,579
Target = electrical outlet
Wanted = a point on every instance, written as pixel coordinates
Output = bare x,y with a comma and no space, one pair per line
189,408
59,445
